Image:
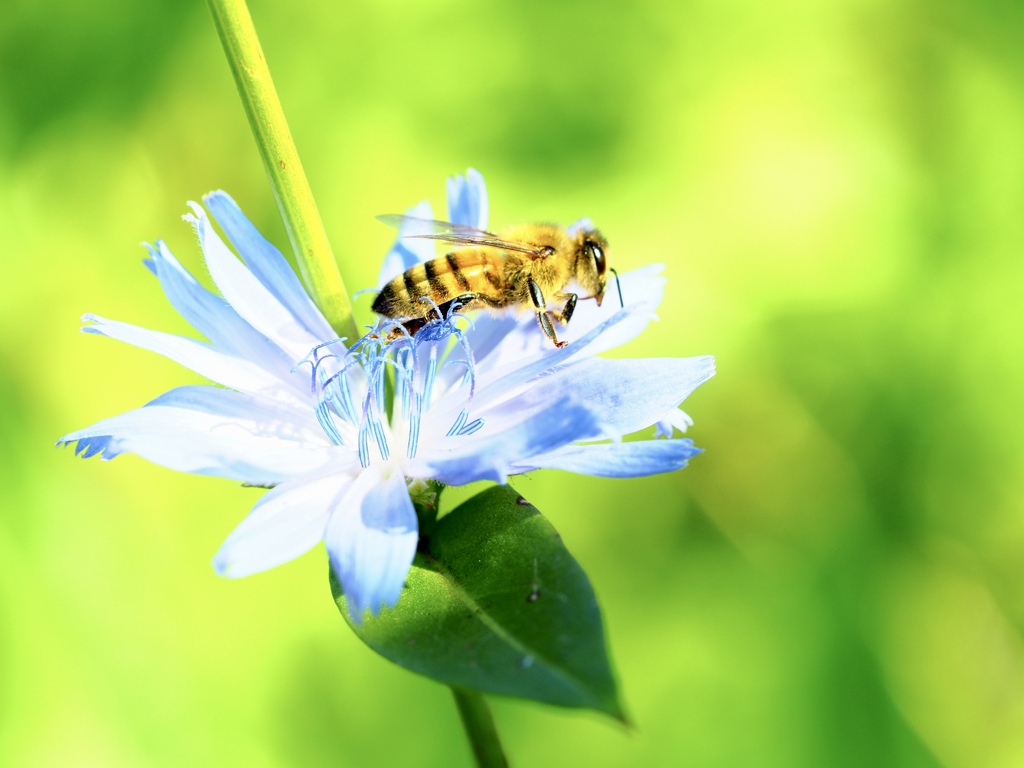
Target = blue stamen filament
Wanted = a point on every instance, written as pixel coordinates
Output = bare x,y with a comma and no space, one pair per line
371,414
459,422
472,427
389,344
348,405
364,447
428,385
327,423
414,428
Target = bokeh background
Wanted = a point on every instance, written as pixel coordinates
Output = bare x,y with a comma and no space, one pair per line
836,190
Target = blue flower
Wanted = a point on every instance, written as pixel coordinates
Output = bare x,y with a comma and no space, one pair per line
297,409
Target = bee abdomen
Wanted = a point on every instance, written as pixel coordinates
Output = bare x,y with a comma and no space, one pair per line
439,280
456,271
385,303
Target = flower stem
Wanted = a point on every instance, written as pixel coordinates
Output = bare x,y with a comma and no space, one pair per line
479,725
281,161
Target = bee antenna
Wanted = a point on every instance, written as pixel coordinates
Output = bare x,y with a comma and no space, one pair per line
618,285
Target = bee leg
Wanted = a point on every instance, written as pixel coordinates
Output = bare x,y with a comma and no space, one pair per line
567,310
413,325
540,306
466,302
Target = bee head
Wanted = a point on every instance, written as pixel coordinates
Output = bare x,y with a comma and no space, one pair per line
592,262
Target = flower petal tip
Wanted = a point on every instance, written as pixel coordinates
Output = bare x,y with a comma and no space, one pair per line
216,195
104,446
357,611
371,541
467,199
222,565
197,218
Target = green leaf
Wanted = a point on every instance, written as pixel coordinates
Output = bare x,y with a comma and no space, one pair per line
496,603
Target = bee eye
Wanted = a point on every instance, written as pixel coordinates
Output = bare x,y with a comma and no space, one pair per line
597,254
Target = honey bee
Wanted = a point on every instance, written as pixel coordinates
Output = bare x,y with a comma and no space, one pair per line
526,265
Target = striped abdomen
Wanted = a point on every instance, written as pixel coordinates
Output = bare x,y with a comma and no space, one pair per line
464,271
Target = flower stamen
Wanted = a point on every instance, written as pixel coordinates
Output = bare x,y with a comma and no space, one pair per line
390,345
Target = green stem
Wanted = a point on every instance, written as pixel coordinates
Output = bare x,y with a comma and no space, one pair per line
479,725
281,160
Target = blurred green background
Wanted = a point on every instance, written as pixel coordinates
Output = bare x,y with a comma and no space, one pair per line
836,189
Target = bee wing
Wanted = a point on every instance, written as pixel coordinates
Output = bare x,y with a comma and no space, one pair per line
413,226
446,231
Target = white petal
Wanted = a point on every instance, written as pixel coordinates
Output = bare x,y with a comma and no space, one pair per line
642,290
231,371
270,416
407,252
627,395
286,522
674,420
371,539
504,344
501,342
638,459
247,295
212,316
467,458
580,224
467,199
267,263
246,449
495,385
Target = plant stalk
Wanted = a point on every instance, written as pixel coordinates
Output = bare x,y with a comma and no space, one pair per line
479,725
281,161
